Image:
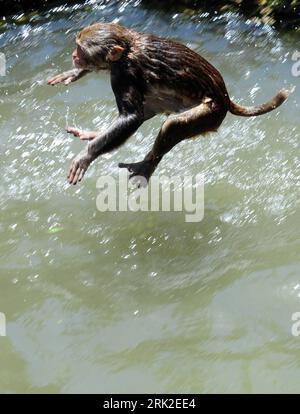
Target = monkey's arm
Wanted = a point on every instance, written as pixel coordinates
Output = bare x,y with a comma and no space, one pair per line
123,127
68,76
130,104
116,135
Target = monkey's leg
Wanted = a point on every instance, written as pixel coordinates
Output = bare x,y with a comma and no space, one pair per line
199,120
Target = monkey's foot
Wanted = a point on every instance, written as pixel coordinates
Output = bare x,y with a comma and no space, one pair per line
84,135
140,169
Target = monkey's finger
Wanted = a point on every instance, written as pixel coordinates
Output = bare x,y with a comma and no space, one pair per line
73,130
56,79
69,173
70,177
51,80
54,82
84,136
68,80
123,165
76,176
81,175
72,172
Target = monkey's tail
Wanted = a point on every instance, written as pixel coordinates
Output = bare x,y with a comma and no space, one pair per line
276,101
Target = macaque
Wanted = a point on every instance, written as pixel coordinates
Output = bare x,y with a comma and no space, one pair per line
150,75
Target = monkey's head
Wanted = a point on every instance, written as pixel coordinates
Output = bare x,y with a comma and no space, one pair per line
99,45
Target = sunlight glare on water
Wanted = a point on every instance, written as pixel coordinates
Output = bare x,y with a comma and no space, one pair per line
144,302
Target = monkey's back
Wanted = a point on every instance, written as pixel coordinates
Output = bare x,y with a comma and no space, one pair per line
168,65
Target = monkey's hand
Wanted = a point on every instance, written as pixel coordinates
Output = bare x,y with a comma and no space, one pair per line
67,77
79,166
84,135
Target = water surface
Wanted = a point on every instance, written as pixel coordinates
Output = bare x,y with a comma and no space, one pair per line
145,302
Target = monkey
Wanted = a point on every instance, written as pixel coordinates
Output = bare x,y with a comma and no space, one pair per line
150,75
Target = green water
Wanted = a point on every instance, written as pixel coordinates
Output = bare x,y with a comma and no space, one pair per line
145,302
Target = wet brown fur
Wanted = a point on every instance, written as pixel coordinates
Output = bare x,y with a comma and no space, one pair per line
151,75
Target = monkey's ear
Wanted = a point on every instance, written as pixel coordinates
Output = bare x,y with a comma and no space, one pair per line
115,53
